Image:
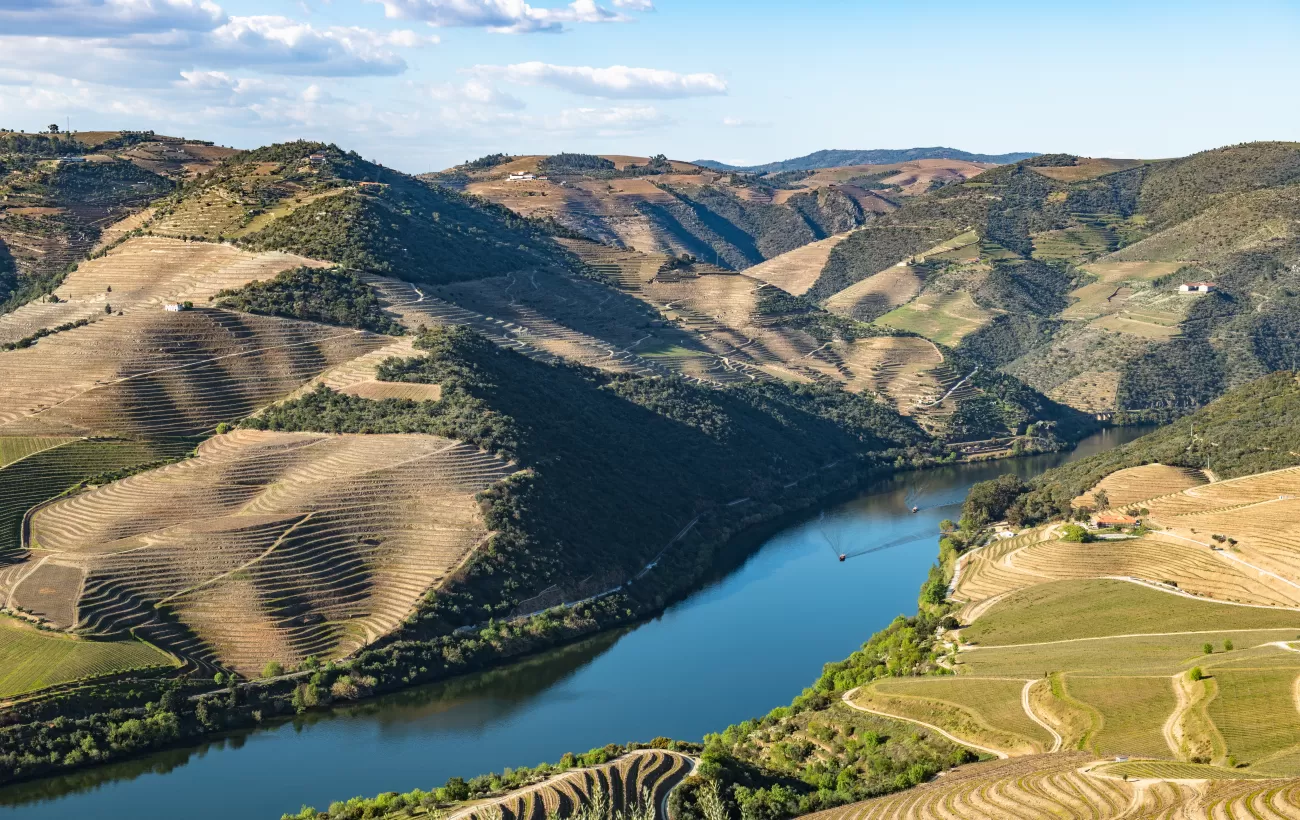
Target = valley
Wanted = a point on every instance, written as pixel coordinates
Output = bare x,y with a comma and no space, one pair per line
289,430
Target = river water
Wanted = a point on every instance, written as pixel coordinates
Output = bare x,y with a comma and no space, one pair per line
749,640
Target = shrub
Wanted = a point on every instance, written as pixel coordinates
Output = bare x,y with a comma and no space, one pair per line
273,669
1207,648
1196,673
1075,534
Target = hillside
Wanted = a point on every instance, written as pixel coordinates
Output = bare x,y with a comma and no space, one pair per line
1065,271
60,193
878,156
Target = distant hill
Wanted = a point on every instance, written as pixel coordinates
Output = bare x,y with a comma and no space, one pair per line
877,156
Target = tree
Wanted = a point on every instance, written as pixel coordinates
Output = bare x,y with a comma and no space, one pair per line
1207,648
1196,673
108,309
273,669
1227,645
1075,534
54,128
1102,499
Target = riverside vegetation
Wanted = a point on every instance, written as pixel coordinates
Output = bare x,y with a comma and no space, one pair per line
543,370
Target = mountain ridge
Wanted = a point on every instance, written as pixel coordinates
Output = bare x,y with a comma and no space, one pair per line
835,157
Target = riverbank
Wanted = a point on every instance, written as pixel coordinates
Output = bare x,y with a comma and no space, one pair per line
678,667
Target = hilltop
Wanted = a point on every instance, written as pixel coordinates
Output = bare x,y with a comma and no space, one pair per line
60,193
878,156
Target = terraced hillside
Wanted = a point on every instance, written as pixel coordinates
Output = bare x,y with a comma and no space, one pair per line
1074,785
54,212
265,546
637,780
1065,272
741,327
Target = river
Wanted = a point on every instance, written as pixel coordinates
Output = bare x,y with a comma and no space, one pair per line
748,640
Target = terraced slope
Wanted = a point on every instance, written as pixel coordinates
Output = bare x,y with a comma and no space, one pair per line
143,274
1134,484
630,782
47,474
1073,785
266,546
32,659
159,373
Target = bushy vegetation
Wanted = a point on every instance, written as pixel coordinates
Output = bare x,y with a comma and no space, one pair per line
104,183
411,231
1248,430
577,430
577,164
714,224
328,295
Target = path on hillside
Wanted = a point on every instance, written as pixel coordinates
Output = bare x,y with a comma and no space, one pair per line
1057,740
977,647
848,700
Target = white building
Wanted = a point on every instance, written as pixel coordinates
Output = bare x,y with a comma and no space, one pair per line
520,177
1197,287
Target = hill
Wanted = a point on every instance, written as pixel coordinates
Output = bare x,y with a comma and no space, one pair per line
300,409
1065,271
878,156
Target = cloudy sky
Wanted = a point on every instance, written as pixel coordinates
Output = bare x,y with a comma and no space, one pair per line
424,84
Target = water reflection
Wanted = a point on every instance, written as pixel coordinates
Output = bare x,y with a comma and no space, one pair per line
779,605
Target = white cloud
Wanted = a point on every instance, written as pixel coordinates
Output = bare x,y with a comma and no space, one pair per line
96,18
269,44
475,92
507,16
615,81
291,47
740,122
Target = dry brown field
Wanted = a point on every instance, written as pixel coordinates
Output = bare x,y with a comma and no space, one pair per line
157,373
1088,168
144,273
265,546
796,271
878,294
1133,484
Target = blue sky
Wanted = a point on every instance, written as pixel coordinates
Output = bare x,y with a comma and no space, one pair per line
423,84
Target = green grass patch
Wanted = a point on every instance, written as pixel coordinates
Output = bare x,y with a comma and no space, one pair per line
994,702
32,659
1255,711
13,448
1133,711
1157,655
1063,610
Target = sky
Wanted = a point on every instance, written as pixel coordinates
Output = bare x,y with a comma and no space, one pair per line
424,84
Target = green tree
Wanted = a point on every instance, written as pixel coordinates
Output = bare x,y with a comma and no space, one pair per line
1207,648
273,669
1227,645
1102,498
1196,673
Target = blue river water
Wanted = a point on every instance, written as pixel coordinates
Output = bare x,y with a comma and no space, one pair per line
749,640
